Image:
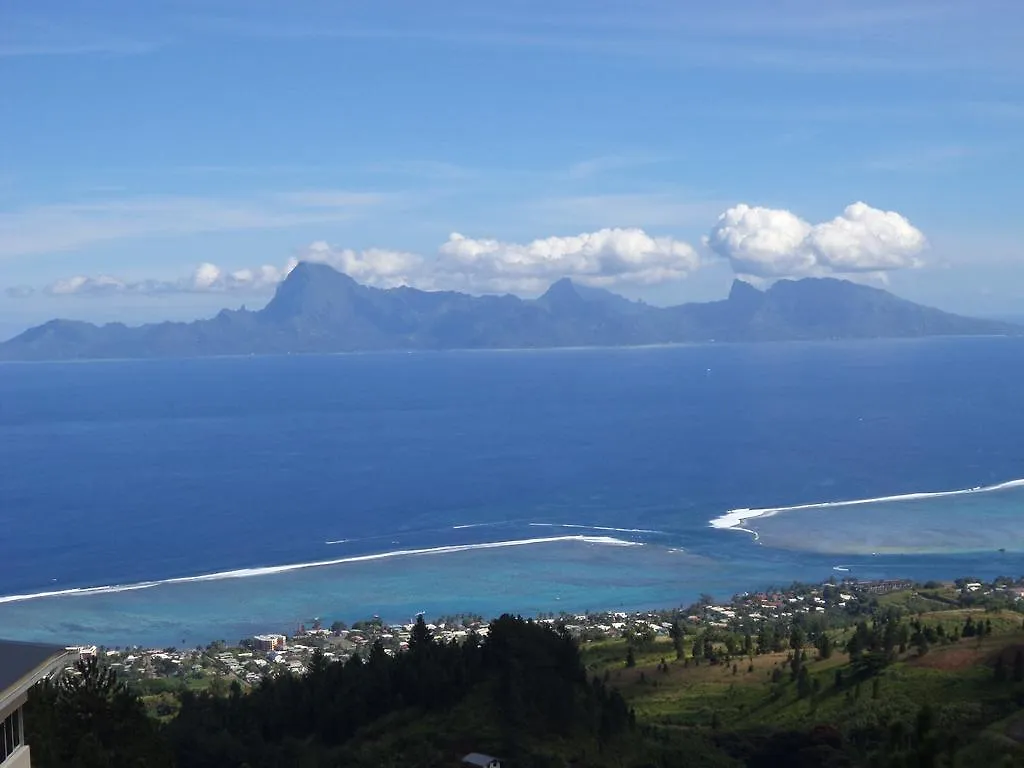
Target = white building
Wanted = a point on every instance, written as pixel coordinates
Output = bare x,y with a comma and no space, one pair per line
270,642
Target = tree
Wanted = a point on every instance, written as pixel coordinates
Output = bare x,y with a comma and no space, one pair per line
641,637
922,646
803,684
698,648
218,687
730,645
709,648
903,637
925,721
796,638
999,671
854,646
824,645
421,637
677,634
89,719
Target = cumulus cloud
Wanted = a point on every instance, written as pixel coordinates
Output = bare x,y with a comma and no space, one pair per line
82,284
603,258
378,267
769,243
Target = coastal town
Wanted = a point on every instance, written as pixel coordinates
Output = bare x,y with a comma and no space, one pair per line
219,666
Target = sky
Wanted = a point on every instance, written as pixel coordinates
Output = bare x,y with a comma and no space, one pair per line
162,160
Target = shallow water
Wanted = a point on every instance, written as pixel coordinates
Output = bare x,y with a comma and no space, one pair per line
976,522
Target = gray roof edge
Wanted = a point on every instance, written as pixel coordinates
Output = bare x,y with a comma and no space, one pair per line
478,758
60,658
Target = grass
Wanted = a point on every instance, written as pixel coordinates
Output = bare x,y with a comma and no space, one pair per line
920,601
956,679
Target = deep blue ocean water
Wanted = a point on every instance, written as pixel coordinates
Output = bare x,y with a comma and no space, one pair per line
125,473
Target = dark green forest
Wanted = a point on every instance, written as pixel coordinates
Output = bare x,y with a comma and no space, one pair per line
522,694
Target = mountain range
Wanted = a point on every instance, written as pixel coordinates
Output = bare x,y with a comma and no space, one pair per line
318,309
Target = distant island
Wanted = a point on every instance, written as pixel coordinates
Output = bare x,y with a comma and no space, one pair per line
317,309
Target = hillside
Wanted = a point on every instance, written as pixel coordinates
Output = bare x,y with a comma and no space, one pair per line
317,309
928,676
923,688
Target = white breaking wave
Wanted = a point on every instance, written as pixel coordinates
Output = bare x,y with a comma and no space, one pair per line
269,570
595,528
338,541
735,518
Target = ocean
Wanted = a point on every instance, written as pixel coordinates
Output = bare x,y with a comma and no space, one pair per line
175,502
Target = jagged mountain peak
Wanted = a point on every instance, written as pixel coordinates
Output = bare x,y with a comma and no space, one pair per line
318,309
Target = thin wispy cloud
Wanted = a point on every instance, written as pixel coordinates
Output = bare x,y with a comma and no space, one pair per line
940,158
434,170
40,35
657,209
96,47
596,166
745,17
799,37
70,226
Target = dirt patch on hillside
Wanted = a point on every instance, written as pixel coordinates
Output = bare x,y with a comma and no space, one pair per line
967,653
950,658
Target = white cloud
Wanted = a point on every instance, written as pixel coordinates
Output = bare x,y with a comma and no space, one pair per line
596,166
205,278
83,284
769,243
378,267
606,257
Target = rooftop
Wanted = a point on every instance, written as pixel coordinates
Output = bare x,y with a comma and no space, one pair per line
22,664
477,759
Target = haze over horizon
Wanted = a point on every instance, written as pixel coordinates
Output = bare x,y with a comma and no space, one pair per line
649,149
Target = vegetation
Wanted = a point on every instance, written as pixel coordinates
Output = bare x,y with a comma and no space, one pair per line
523,694
940,688
902,683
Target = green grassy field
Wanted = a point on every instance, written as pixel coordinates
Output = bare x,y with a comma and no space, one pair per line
956,679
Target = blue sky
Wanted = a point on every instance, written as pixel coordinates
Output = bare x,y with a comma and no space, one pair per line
165,159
